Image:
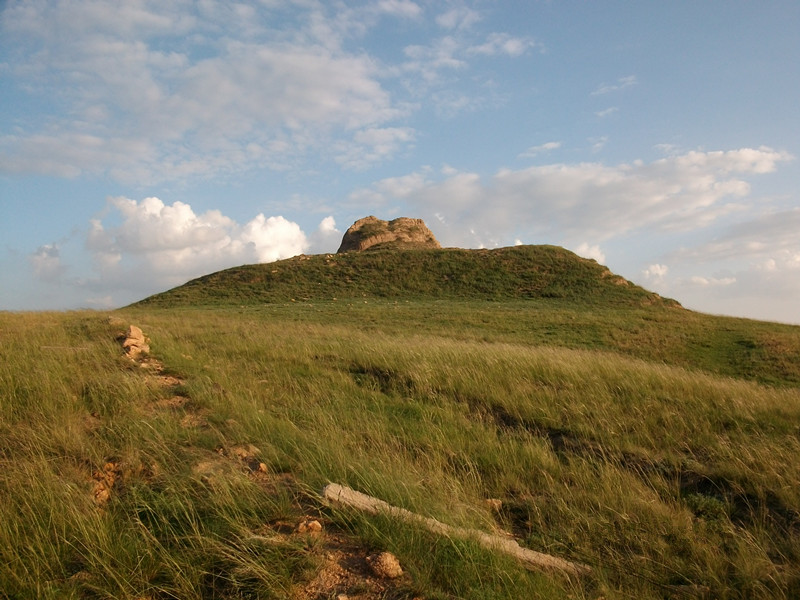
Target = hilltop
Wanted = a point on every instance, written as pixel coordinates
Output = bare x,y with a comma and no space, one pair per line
517,272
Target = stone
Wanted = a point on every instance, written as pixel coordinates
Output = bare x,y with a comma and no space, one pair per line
311,526
494,504
372,233
135,343
385,565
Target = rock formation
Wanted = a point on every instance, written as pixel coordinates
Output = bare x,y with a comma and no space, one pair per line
371,233
135,344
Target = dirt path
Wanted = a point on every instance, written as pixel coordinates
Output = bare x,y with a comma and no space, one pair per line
347,570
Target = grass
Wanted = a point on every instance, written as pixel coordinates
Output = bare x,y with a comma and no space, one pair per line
657,445
449,274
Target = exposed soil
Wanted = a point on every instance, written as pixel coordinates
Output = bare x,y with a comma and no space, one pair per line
345,568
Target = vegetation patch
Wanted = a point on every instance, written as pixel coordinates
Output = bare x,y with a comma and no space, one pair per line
655,445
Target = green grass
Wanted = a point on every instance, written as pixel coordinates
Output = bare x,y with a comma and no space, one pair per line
500,274
657,445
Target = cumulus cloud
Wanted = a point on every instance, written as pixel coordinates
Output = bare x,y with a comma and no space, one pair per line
273,238
157,245
656,273
326,238
591,251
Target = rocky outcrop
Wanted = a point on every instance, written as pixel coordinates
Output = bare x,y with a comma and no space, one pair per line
371,232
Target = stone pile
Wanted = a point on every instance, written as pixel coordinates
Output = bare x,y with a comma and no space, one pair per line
135,344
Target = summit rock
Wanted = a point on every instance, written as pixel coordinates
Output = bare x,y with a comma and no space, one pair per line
373,233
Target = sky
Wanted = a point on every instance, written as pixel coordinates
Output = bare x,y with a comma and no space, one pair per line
144,143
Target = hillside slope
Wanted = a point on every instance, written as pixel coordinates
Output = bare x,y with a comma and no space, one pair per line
571,429
505,273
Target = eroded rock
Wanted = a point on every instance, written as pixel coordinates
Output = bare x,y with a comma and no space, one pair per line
135,344
385,565
308,525
371,232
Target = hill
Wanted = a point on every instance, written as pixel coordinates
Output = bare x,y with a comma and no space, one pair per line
516,272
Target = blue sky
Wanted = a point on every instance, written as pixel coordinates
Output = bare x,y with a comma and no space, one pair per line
144,143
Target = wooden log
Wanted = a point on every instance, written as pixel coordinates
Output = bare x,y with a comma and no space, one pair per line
333,492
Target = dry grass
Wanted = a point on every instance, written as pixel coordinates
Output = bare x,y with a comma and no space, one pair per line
667,481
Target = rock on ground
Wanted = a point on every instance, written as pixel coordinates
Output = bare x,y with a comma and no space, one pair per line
135,344
385,564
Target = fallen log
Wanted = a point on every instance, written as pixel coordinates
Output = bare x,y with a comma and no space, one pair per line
530,559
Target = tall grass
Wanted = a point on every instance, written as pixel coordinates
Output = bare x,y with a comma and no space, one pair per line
665,478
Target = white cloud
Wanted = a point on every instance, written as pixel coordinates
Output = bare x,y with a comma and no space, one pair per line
147,91
621,84
46,262
328,225
445,72
598,143
450,103
594,252
372,145
460,17
656,272
400,8
667,149
503,43
679,193
273,238
222,98
429,61
752,268
769,239
753,259
606,112
541,148
712,281
326,238
166,244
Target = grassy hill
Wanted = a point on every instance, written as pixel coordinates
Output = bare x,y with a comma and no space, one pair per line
500,274
518,391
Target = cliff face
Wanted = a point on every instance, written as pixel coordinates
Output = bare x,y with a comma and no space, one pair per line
371,232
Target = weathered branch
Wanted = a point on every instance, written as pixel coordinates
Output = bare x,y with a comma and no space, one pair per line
531,559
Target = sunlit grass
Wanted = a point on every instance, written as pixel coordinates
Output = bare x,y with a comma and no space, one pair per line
658,474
